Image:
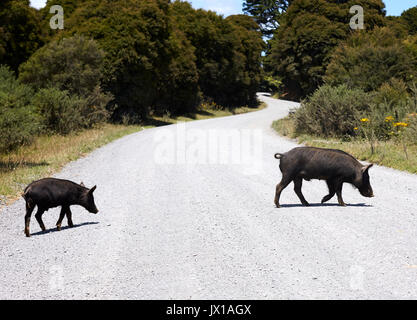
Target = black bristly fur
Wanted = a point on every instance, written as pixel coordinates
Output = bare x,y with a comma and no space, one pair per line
51,192
334,166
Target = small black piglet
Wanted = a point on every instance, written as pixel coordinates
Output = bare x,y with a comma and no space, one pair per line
50,193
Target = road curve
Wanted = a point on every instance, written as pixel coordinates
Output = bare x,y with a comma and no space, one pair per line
183,218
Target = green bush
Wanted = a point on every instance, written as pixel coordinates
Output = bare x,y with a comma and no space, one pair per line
395,91
63,113
391,115
18,122
71,64
369,59
60,112
332,111
67,75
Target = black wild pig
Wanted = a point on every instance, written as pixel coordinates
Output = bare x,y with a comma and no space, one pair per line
49,193
334,166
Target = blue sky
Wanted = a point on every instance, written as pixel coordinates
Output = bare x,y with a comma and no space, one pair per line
228,7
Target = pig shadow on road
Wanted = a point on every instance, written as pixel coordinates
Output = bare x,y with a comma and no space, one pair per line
324,205
62,228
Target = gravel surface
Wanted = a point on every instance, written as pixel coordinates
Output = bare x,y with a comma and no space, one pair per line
180,220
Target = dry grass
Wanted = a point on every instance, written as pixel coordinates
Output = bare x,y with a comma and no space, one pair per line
387,153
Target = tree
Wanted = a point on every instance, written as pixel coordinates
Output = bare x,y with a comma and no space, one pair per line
247,72
148,65
307,36
67,75
18,121
267,13
20,32
369,59
410,18
227,51
72,64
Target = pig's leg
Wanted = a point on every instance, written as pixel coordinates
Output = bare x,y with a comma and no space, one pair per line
38,217
339,186
61,217
69,217
281,186
29,209
298,182
332,191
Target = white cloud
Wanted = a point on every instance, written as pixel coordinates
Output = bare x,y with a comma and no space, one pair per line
38,3
225,7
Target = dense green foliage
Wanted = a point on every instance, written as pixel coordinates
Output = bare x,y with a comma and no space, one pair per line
369,59
125,59
148,65
72,64
410,18
67,72
18,121
227,51
340,111
20,32
163,57
308,33
332,111
128,59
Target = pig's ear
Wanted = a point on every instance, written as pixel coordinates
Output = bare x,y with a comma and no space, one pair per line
92,190
82,184
366,168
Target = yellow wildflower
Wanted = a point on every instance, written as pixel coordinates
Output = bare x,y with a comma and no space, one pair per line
401,124
389,118
364,120
356,128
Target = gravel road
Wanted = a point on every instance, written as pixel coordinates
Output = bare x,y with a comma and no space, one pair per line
183,217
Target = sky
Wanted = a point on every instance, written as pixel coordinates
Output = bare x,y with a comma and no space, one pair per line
228,7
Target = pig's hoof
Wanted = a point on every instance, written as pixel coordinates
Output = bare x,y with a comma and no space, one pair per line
306,204
58,228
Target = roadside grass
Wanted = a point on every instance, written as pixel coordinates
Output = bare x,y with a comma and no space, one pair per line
48,154
387,153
